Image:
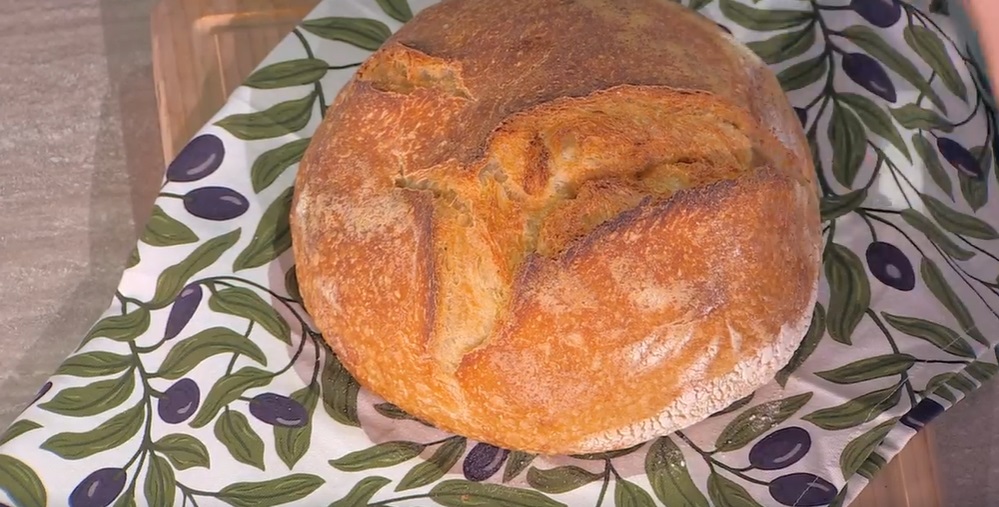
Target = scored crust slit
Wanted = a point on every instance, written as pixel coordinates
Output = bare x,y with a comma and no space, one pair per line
552,244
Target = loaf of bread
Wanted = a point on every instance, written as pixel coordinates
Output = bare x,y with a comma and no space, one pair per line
559,226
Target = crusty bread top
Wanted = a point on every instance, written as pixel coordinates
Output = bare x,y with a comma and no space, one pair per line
559,225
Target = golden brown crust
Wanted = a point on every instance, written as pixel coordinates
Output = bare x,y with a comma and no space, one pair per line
553,241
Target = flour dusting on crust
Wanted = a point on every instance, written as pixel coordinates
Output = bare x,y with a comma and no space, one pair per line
702,397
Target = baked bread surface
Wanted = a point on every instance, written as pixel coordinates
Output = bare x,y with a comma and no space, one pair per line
559,226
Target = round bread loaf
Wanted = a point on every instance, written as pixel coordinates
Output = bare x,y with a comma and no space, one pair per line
559,226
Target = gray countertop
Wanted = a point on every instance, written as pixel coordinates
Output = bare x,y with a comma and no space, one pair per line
80,156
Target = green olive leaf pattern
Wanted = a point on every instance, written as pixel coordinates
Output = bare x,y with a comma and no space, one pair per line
381,455
245,303
875,45
173,278
616,453
228,389
164,230
362,492
207,364
274,162
869,368
183,451
460,493
189,353
92,399
860,448
982,371
98,363
943,337
428,472
127,499
120,327
272,237
756,421
291,284
816,330
361,32
397,9
914,117
291,443
668,474
850,291
560,479
856,411
302,71
957,222
930,47
110,434
937,386
21,483
393,412
233,430
976,190
835,206
849,144
961,383
278,491
18,428
931,162
161,483
875,119
841,497
516,463
935,281
735,405
922,224
629,494
725,492
340,393
284,118
763,20
874,463
133,259
802,74
784,46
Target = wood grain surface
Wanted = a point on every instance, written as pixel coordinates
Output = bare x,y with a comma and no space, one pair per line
203,49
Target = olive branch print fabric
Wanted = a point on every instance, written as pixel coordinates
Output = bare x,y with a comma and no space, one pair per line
205,382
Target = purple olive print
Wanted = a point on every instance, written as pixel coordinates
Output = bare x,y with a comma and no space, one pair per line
215,203
724,28
880,13
890,265
802,490
921,414
42,392
183,309
99,489
867,72
278,410
179,402
780,449
483,461
960,158
199,158
802,115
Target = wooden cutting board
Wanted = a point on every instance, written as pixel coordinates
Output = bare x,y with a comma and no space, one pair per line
203,49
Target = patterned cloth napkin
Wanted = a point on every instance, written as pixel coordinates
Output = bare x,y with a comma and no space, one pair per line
205,382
